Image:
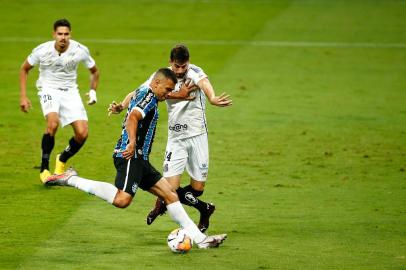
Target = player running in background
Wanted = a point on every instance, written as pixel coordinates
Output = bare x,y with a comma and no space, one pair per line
131,159
58,92
187,146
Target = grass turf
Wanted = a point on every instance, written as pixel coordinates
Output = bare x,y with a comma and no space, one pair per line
307,168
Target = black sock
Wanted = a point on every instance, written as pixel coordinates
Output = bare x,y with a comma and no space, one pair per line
70,150
47,145
195,192
187,198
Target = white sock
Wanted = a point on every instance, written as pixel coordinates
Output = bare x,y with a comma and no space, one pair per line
103,190
179,215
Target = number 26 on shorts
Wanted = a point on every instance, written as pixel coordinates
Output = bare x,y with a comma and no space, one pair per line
46,98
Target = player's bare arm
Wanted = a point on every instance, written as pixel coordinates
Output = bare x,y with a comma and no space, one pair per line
131,127
184,91
222,101
94,82
25,103
116,108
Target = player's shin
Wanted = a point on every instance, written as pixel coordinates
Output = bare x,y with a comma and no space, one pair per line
47,145
179,215
196,193
70,150
188,198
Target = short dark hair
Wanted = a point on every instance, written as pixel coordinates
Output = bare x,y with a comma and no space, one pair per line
167,73
180,53
61,22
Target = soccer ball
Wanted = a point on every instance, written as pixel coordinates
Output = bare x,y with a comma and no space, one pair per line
179,241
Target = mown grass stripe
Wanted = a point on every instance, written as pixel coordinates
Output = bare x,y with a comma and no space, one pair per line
260,43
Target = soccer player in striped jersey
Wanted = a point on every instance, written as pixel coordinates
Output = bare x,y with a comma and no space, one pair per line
131,159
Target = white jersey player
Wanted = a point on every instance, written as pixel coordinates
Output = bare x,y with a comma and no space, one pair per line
187,146
58,92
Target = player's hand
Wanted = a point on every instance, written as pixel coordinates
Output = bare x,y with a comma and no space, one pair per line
128,153
25,104
115,108
92,97
186,89
222,101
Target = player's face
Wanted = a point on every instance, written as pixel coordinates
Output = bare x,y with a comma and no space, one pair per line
179,68
163,87
62,36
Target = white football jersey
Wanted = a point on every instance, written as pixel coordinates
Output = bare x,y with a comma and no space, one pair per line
187,118
59,71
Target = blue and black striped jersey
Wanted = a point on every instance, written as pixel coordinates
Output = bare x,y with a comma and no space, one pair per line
146,103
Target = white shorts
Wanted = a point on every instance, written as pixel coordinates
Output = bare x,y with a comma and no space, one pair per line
190,153
67,104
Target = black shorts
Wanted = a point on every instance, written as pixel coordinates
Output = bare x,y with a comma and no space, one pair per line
135,173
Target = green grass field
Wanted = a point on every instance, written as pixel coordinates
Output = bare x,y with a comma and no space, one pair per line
307,167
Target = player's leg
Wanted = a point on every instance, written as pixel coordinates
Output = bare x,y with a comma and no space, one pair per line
80,129
48,143
72,112
49,101
186,197
198,167
176,159
163,189
173,167
198,163
105,191
120,195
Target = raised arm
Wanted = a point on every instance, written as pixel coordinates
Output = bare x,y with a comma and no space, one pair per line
131,127
115,108
25,103
222,101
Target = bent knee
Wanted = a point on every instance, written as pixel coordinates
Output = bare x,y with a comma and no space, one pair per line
170,197
197,185
121,204
52,127
122,200
81,136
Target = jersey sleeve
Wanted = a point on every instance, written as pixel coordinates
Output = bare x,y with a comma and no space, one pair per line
144,102
87,59
34,58
196,74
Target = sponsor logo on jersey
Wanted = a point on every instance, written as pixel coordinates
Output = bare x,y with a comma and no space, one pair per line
146,100
178,127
